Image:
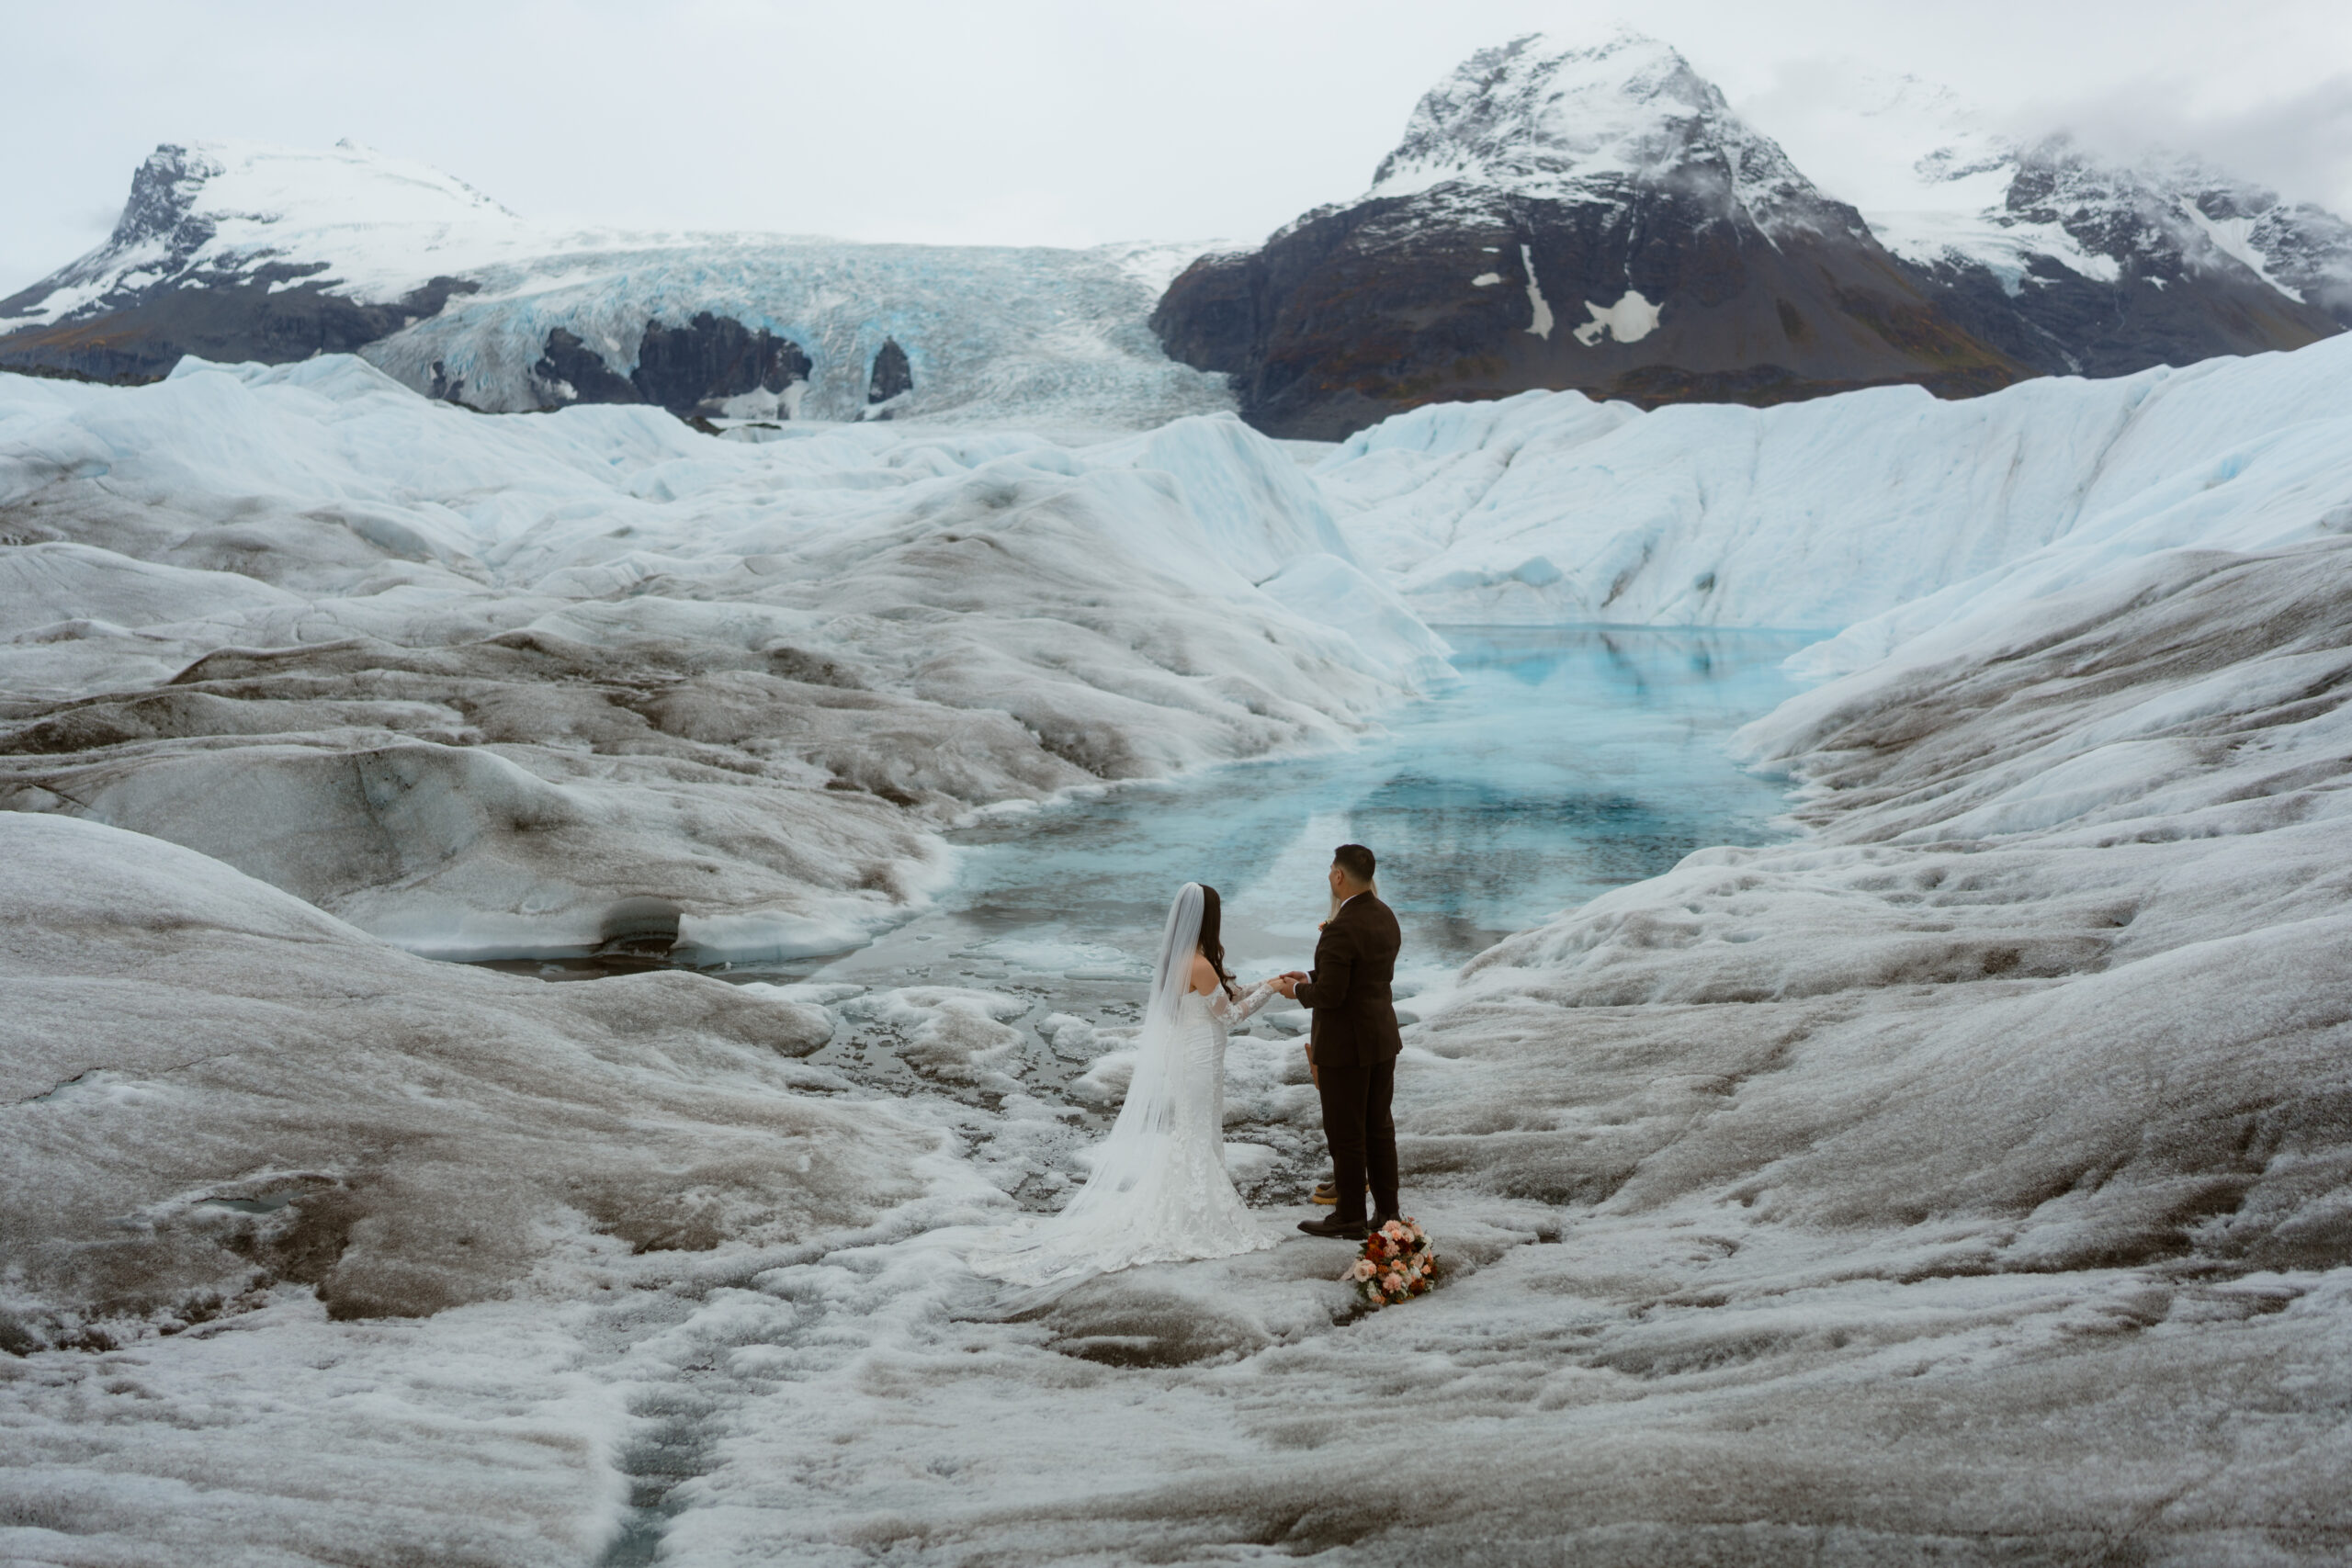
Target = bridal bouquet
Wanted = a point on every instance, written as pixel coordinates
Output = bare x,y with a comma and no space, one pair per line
1396,1263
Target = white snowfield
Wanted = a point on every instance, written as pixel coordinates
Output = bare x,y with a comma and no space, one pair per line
1968,1180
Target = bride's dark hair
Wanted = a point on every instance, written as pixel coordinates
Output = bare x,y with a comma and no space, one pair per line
1211,942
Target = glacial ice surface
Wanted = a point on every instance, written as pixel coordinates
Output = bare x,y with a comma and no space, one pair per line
1028,337
1968,1178
1885,513
471,682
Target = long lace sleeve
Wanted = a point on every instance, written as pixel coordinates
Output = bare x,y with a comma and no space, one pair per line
1230,1010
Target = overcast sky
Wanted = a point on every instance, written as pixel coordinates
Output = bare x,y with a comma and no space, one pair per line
1045,121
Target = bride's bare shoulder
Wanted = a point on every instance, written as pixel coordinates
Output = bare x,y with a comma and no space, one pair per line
1203,975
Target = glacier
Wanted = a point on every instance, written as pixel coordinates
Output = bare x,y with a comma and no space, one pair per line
1966,1177
1051,339
457,297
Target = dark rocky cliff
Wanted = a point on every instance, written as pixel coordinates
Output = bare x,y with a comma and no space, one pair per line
691,370
1351,316
892,377
267,314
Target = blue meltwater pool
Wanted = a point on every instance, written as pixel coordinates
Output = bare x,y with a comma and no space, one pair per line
1568,761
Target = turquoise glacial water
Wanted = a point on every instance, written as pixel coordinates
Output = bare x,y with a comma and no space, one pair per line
1569,761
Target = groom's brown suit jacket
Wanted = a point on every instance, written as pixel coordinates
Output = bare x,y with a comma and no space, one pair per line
1356,1018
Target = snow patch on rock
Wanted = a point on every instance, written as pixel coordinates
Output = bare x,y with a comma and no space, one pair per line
1632,318
1540,322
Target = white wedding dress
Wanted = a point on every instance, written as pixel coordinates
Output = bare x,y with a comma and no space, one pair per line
1158,1192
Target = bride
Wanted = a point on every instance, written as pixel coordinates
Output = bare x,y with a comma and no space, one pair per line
1158,1192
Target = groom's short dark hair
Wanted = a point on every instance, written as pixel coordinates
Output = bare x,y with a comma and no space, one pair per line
1356,861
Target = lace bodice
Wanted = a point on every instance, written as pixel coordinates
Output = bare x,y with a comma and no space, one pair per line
1220,1010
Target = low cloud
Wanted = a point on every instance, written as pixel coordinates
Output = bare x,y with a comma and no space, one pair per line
2300,143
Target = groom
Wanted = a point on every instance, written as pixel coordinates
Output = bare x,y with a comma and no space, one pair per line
1353,1043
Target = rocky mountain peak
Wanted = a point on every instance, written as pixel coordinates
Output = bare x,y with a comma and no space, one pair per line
220,212
250,251
163,195
1541,117
1566,215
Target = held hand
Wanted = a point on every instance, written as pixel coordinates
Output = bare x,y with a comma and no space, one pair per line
1286,987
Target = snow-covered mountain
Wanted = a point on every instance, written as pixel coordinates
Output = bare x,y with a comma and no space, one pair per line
1539,118
2073,262
277,253
241,252
1565,215
211,213
1560,215
1556,215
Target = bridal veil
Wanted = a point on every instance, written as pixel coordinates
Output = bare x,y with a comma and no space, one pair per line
1143,1194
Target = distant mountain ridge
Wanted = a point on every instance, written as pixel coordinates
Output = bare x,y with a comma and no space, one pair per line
1563,216
1556,215
1560,215
195,264
2079,264
234,250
